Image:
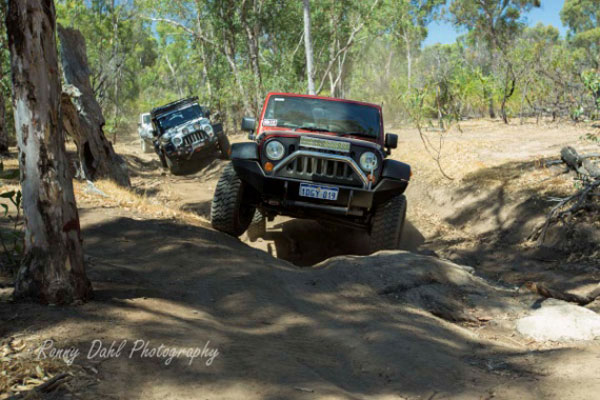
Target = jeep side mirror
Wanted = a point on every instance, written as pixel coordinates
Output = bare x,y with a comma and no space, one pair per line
391,141
248,125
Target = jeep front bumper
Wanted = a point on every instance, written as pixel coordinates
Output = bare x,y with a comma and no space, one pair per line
281,194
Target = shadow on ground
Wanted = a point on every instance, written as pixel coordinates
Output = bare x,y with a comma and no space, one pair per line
308,242
282,331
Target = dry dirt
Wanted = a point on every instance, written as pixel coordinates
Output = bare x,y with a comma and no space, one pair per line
302,313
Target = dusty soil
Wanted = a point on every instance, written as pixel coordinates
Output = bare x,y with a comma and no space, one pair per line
303,313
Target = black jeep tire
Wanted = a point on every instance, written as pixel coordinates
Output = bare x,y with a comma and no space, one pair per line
229,212
175,167
162,158
387,224
224,146
258,226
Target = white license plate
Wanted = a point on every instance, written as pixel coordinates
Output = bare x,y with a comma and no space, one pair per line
318,191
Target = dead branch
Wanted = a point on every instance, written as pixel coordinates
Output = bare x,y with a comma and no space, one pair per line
589,175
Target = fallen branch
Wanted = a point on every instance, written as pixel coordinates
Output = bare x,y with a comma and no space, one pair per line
45,387
589,175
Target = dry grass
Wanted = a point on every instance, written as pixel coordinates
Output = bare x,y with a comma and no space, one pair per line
129,200
23,371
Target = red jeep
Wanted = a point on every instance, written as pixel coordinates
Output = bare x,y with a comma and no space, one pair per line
318,158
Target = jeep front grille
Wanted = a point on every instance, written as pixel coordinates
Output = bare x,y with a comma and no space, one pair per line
321,167
318,167
192,138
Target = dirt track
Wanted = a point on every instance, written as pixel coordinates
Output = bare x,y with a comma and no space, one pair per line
393,325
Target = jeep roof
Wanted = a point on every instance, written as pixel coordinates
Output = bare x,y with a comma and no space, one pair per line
157,111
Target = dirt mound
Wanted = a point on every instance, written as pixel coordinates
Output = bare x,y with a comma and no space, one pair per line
443,288
282,331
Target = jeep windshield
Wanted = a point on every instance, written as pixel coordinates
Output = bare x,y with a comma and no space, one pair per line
322,115
179,116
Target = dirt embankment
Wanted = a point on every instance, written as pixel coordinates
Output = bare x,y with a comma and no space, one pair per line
394,325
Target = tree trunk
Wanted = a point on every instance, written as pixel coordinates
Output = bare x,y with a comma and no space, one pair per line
408,62
489,99
199,24
96,154
3,130
252,31
308,48
52,270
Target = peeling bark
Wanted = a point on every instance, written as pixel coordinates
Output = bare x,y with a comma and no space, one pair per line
52,270
96,154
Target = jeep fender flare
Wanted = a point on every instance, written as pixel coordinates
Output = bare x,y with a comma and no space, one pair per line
393,169
244,151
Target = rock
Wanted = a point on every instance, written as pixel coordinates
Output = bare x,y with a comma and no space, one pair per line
560,321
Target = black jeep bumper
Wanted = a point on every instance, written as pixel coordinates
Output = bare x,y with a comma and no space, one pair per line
277,195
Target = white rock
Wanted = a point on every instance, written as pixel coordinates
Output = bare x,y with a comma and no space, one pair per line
560,321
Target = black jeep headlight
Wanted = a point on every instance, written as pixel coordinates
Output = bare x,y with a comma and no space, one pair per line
177,141
368,161
274,150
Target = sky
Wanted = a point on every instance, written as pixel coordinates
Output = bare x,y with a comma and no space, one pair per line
548,14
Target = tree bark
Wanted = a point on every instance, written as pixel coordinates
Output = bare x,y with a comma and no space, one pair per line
96,154
252,34
3,130
52,270
308,48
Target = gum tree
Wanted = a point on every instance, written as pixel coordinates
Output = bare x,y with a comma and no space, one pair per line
52,270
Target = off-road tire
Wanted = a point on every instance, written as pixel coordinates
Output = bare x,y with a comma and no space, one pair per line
258,226
224,146
175,167
387,224
162,158
229,212
145,147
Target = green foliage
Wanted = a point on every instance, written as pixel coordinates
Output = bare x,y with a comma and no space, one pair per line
143,53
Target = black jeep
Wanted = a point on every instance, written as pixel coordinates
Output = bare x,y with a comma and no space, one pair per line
184,136
318,158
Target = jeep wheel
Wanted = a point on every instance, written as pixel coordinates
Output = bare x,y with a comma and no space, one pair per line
224,146
162,158
387,224
175,167
258,226
229,212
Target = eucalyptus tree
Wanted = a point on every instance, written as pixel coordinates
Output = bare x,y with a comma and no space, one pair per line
52,270
498,23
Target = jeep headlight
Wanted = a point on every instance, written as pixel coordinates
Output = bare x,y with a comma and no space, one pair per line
177,141
368,161
274,150
209,130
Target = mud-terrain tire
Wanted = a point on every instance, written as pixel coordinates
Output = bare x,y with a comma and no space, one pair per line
387,224
229,212
258,226
224,146
174,167
162,158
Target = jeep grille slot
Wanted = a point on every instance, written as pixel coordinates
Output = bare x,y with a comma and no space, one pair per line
192,138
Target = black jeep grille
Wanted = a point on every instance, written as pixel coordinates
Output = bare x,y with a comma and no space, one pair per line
320,170
192,138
